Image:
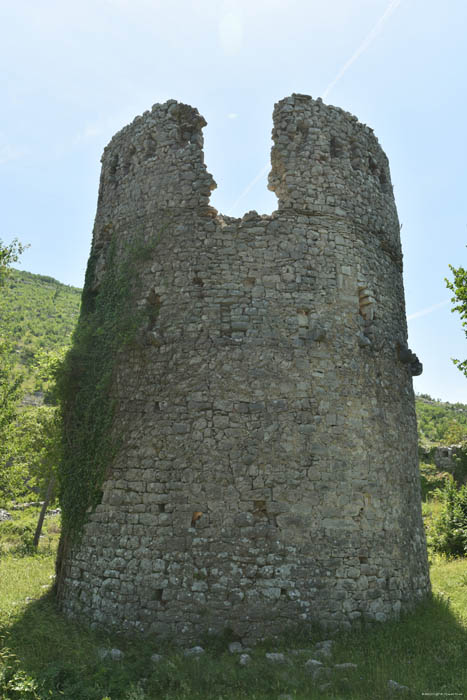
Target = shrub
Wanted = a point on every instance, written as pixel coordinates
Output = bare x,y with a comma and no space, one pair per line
449,530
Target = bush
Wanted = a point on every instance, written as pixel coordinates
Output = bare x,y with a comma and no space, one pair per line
449,530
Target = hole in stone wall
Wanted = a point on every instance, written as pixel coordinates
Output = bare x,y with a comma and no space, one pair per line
336,148
383,181
158,594
226,328
128,159
355,156
113,165
161,507
363,560
196,516
150,146
372,165
197,280
303,128
283,591
153,305
260,510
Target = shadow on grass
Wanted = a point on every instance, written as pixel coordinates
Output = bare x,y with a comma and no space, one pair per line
425,651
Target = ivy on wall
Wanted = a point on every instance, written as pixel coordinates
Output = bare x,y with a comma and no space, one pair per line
107,328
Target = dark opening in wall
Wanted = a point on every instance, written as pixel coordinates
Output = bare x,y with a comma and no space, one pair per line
372,165
161,507
113,165
260,510
336,148
196,516
158,594
383,181
150,146
128,160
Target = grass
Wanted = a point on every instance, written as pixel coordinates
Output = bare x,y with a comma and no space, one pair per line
43,655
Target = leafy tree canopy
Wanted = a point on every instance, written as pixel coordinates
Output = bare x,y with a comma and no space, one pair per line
459,287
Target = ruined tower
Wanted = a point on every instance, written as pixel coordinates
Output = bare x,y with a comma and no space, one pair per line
264,470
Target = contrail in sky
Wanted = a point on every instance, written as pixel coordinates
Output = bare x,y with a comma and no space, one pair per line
428,310
256,179
393,5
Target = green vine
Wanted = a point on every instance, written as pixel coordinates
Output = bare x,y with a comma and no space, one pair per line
108,326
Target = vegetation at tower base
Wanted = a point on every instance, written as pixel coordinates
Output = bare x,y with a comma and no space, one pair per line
107,326
459,287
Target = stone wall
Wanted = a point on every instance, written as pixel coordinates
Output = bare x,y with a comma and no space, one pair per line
268,472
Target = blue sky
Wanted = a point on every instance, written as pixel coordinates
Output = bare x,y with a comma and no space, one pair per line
73,73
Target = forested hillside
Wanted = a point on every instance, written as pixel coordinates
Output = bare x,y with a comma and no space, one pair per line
439,422
38,314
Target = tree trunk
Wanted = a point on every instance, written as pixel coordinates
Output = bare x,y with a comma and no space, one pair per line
45,505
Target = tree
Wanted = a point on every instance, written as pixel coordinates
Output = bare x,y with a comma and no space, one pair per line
11,471
459,287
8,255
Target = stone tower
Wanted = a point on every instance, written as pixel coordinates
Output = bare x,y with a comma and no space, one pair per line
266,473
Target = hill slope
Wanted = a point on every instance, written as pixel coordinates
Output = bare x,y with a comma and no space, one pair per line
39,314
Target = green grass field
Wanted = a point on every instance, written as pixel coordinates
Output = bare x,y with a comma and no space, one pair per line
43,655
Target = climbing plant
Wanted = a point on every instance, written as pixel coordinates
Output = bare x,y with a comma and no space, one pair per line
107,327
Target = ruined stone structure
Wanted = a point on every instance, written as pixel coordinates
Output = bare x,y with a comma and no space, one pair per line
268,468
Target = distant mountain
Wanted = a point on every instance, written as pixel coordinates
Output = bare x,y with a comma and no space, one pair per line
37,313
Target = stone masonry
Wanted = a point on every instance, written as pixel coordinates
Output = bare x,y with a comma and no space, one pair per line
268,471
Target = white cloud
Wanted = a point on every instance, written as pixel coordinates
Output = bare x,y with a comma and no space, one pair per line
232,115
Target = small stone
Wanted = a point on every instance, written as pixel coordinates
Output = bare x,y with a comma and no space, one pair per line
317,669
324,686
235,647
276,657
325,643
114,654
245,659
393,685
156,658
323,653
284,696
346,665
194,651
321,673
